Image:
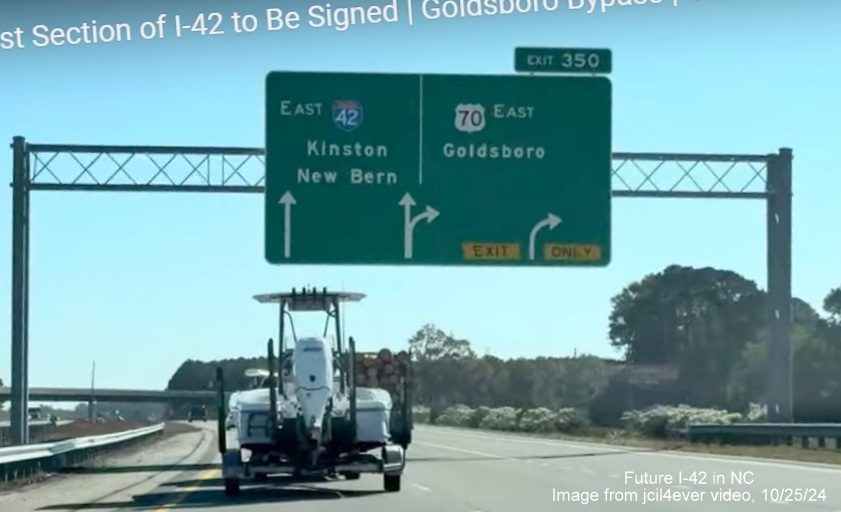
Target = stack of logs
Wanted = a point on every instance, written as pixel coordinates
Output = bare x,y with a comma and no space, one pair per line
383,369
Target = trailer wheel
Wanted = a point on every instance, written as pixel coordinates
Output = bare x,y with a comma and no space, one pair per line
352,475
391,483
232,486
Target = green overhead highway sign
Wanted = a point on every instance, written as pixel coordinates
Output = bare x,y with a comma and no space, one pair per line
404,169
563,60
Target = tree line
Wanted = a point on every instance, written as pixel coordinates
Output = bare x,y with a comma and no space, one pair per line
712,325
693,336
684,335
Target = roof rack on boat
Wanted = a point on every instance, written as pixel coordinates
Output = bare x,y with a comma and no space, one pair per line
309,299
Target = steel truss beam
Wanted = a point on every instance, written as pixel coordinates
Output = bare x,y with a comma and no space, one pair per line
72,167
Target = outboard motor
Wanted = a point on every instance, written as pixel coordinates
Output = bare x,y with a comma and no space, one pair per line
312,377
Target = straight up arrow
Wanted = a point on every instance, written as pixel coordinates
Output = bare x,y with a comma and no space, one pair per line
287,200
551,221
407,202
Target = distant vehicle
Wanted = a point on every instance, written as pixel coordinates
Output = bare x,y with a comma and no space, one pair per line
197,413
35,413
54,419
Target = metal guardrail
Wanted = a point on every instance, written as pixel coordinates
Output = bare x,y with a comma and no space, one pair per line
805,435
23,461
109,395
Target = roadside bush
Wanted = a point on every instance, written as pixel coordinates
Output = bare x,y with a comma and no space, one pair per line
570,420
757,413
660,421
501,418
455,416
478,416
539,420
420,414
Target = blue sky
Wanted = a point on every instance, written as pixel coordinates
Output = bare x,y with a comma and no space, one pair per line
141,282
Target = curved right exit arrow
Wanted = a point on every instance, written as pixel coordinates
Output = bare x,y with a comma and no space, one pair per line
551,221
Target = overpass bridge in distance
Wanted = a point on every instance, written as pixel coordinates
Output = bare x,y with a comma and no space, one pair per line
110,395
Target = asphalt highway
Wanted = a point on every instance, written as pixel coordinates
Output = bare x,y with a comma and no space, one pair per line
452,471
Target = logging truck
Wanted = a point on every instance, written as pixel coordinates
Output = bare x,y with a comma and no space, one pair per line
390,372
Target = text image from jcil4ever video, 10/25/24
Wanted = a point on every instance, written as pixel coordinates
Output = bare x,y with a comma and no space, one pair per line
334,16
691,486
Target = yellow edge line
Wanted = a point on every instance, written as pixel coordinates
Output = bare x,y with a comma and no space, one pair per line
206,475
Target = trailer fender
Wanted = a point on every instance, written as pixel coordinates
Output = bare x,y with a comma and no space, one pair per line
394,460
232,467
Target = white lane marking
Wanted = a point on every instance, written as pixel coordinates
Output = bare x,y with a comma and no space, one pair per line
462,450
778,463
494,456
421,487
525,440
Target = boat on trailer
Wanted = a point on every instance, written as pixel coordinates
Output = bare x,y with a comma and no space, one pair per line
305,414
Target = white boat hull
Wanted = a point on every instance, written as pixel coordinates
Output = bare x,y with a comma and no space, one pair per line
250,412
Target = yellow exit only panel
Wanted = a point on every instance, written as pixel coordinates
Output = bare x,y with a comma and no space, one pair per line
572,252
473,251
